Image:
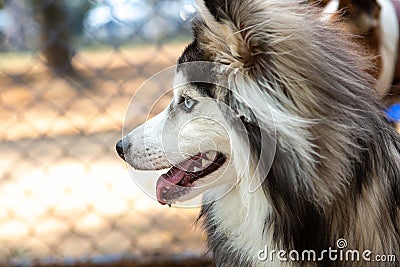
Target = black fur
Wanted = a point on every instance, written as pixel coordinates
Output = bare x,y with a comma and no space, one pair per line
214,6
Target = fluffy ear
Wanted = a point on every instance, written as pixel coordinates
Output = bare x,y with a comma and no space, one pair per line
365,14
213,7
224,19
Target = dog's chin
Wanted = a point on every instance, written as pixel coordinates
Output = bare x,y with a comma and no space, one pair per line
189,178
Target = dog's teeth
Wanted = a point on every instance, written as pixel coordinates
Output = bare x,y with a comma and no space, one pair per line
196,169
211,155
205,162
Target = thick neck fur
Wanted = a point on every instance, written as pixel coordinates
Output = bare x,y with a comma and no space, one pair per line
337,165
278,216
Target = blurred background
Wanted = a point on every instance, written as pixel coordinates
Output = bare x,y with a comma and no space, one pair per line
68,70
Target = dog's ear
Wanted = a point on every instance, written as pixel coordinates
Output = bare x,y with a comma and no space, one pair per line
215,8
226,20
365,14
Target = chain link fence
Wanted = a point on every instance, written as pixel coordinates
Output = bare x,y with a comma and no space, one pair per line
68,70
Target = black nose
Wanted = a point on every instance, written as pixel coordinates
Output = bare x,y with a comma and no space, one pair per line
120,149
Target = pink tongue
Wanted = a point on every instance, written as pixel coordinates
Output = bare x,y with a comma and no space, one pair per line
170,180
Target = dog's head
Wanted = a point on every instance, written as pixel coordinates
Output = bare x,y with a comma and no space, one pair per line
190,138
203,136
256,72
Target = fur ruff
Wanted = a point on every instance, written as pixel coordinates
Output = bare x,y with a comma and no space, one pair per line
337,165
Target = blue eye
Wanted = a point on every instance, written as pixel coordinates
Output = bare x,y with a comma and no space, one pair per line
189,103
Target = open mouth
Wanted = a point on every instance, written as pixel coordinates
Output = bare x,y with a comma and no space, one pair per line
178,181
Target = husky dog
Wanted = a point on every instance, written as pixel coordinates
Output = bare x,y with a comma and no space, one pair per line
335,174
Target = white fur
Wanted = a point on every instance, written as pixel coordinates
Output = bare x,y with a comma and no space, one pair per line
147,136
240,213
174,136
243,224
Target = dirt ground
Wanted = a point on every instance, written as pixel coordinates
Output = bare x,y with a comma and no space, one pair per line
64,193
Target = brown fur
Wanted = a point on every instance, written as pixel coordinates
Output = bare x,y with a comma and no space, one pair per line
360,17
362,21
